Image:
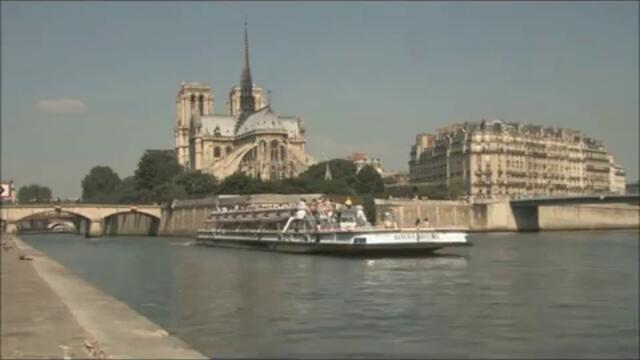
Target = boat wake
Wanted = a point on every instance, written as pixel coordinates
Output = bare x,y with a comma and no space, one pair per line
188,243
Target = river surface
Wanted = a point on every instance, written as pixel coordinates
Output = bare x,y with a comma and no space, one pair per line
553,294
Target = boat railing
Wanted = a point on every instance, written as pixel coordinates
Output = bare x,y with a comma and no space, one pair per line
249,215
338,230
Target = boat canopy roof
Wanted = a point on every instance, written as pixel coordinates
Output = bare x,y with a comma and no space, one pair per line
253,215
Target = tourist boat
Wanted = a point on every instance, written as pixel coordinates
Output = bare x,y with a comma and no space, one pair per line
281,229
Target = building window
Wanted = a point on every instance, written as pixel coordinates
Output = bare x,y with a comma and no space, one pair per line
274,150
216,152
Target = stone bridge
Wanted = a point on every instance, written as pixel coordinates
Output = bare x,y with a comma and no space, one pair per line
632,199
579,212
93,215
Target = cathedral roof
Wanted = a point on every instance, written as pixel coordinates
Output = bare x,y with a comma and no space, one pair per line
263,119
293,125
225,124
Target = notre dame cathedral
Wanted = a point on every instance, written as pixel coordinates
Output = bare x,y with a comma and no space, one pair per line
250,139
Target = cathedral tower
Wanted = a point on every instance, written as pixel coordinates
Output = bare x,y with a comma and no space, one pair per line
192,99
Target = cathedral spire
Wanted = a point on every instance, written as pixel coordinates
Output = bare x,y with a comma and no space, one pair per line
327,173
247,101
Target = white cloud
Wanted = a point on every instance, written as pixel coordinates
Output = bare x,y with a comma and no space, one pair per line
62,106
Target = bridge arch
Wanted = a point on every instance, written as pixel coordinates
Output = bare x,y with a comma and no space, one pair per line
52,212
62,225
131,210
82,223
92,217
146,224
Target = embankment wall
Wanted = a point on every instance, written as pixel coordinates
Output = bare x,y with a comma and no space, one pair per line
588,217
183,218
501,216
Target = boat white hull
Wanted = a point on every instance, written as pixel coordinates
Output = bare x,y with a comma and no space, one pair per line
384,243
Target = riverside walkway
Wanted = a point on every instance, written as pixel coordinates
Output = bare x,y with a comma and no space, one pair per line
49,312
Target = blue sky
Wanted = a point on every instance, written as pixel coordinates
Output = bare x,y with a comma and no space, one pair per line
87,84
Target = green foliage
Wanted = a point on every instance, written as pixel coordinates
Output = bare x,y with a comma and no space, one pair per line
237,183
156,167
196,184
343,178
369,205
332,187
126,192
100,185
34,194
292,186
455,189
424,191
153,178
369,181
340,170
159,178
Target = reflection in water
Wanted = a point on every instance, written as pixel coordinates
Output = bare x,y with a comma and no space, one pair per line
452,261
524,295
186,243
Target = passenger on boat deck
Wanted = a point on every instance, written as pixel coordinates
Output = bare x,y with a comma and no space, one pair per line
302,209
313,208
348,203
361,218
335,214
427,224
389,221
322,216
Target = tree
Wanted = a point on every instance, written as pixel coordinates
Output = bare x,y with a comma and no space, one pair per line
100,185
196,183
343,178
34,194
455,189
333,187
369,181
369,205
293,186
153,177
237,183
126,192
340,170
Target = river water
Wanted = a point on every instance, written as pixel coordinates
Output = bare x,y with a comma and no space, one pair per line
553,294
